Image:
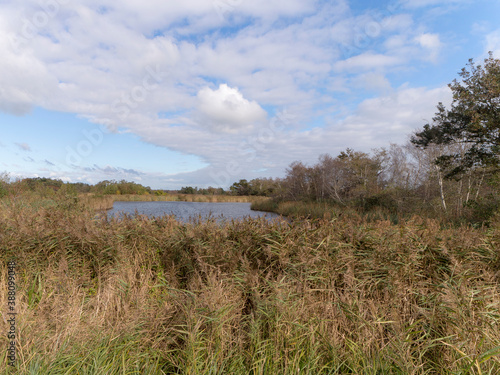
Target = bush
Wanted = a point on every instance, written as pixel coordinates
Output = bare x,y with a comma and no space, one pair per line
382,200
481,210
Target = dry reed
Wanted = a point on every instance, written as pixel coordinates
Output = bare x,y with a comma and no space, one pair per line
338,296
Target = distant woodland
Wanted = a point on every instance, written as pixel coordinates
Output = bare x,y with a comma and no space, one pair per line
449,168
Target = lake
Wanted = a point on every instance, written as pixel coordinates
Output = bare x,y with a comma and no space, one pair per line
184,211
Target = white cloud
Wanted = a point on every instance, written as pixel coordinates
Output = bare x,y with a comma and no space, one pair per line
226,110
404,110
431,43
24,78
493,43
373,81
367,61
147,68
398,22
374,123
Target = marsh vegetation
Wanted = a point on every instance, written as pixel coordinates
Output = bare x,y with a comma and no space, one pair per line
387,266
335,296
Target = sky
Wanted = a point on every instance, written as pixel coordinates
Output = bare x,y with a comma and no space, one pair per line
207,92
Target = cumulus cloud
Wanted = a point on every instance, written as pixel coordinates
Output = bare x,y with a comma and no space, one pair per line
393,117
192,78
374,123
25,79
431,43
226,110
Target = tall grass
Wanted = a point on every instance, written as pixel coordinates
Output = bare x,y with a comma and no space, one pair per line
329,210
336,296
301,209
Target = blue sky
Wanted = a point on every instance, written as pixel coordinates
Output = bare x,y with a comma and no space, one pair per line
206,92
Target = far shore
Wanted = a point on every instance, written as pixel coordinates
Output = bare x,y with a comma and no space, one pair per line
105,202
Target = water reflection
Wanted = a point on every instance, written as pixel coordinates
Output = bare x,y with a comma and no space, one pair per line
184,211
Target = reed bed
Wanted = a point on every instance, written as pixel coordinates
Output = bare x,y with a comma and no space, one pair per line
329,210
296,209
337,296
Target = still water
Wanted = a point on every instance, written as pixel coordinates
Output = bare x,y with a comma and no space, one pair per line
183,211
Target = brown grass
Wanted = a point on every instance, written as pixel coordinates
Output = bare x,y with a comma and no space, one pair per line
339,296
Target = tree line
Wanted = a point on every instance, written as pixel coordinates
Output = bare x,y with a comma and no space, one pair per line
49,186
450,166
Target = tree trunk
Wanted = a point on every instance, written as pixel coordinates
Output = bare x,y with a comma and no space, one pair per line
479,185
440,180
469,187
